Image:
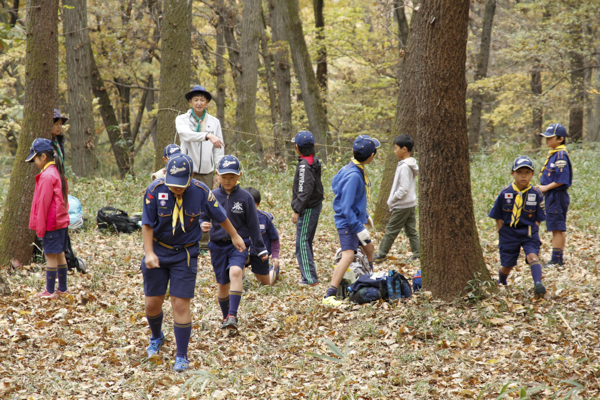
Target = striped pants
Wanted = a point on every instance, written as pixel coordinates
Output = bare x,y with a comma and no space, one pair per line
305,233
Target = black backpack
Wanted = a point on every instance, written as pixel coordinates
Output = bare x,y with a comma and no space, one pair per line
110,218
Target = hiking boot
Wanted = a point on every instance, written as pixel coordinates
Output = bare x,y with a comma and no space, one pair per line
539,290
246,284
61,293
45,294
331,301
379,259
181,364
155,345
230,322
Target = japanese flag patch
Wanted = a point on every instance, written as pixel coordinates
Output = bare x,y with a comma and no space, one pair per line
163,196
508,195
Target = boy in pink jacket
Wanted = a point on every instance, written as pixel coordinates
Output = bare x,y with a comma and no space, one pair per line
50,215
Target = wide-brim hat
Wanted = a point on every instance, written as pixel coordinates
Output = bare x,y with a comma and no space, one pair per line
58,116
39,145
179,171
196,90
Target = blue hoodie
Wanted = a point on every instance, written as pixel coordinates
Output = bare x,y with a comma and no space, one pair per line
350,201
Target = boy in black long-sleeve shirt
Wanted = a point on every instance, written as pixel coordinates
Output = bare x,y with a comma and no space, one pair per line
228,263
307,201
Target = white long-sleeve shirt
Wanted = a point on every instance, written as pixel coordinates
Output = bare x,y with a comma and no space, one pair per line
205,156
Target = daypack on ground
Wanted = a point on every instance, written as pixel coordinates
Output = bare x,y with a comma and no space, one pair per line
75,213
388,286
417,285
111,218
360,264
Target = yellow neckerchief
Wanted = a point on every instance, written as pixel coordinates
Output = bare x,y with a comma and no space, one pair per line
367,182
47,165
552,151
518,206
177,213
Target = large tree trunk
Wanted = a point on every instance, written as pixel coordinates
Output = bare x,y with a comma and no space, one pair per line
283,80
481,72
40,77
382,213
450,252
79,82
229,14
175,71
538,111
268,63
577,89
318,6
245,113
313,105
593,123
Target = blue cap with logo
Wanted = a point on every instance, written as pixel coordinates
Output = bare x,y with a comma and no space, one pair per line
39,145
365,145
522,162
555,130
170,150
229,165
180,169
304,139
196,90
58,116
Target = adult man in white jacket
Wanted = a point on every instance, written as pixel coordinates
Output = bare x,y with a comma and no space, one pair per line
202,140
402,201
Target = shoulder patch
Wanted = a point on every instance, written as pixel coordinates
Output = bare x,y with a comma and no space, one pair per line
561,163
156,183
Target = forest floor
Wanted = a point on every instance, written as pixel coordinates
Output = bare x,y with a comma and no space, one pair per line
488,345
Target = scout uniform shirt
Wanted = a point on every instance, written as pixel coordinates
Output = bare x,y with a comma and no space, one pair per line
532,212
558,169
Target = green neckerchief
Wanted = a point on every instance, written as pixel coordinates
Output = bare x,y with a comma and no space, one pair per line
198,120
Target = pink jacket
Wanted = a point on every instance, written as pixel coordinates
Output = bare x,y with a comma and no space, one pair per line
48,209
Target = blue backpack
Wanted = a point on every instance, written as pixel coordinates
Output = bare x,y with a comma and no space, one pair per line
417,282
368,288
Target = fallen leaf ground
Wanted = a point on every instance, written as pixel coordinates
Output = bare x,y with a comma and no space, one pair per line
91,345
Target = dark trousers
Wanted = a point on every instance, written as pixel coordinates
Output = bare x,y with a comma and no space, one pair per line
208,180
305,233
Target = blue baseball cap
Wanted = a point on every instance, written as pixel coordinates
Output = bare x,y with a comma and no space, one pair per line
555,130
39,145
229,165
365,145
179,168
170,150
522,162
304,139
58,116
196,90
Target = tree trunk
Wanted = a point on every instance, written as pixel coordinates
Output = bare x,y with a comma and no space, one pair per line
481,72
233,51
593,128
109,118
313,105
538,111
577,89
382,213
40,75
150,100
318,6
245,113
175,71
450,252
283,77
268,62
220,69
79,82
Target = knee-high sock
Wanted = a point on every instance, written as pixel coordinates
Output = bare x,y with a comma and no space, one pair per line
62,277
155,324
182,338
224,304
556,255
502,277
234,302
51,273
536,271
331,291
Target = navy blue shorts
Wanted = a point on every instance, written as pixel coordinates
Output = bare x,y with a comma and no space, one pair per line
557,204
259,267
224,255
55,242
349,240
511,242
173,269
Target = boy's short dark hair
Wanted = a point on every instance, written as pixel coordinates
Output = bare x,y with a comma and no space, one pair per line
404,141
360,158
255,194
307,151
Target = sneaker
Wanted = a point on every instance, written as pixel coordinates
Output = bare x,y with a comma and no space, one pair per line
230,322
181,364
539,290
414,257
331,301
379,259
246,284
155,345
61,293
276,274
45,294
553,264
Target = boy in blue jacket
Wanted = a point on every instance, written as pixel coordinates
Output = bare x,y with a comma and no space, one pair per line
228,263
351,188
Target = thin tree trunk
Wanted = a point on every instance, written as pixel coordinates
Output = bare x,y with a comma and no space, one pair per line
14,13
538,111
450,252
125,121
283,77
79,82
40,75
233,50
577,89
318,6
175,71
594,120
220,69
268,62
245,113
150,100
313,105
481,72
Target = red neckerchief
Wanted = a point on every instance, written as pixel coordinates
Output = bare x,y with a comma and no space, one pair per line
310,159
